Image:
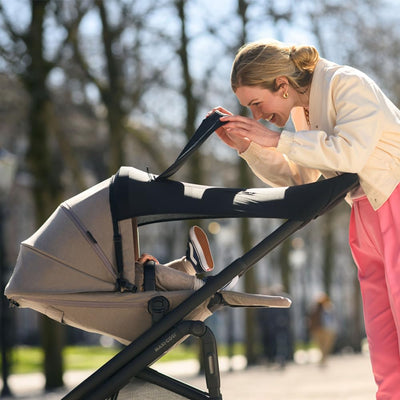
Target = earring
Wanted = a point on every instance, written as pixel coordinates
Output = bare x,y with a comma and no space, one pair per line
285,95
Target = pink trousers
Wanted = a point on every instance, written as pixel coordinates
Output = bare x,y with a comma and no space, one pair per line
375,244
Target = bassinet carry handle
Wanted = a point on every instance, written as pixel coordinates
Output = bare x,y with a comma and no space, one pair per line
206,128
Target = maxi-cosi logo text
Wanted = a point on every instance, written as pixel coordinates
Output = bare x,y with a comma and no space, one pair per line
165,342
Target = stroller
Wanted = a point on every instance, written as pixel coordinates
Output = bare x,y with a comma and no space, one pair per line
79,269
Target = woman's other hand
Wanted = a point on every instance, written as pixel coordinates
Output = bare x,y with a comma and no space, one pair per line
240,131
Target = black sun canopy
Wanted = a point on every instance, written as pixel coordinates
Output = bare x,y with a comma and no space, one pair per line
138,194
151,198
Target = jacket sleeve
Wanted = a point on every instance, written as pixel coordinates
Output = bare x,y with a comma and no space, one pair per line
355,102
275,169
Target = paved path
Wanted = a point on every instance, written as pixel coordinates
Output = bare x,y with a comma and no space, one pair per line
346,377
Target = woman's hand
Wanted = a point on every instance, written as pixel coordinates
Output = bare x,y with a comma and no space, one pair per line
236,142
240,131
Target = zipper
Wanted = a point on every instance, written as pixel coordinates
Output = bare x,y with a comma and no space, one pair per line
90,303
93,303
90,238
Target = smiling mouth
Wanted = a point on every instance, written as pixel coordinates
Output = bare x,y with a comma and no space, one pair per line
270,117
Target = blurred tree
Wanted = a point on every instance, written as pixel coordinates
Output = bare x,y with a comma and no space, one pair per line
47,189
189,98
119,77
246,236
328,262
27,54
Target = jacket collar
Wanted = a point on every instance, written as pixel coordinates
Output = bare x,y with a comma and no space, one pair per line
318,97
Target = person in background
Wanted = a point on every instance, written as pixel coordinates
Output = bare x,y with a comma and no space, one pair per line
323,326
275,331
343,123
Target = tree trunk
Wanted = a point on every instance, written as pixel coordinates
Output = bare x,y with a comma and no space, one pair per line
196,171
284,264
250,276
113,94
328,245
46,186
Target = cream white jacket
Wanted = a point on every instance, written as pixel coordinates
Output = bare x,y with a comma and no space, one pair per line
354,128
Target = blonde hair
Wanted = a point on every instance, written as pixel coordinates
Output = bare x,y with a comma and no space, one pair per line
260,63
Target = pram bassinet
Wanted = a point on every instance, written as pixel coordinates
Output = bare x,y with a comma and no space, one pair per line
79,267
68,269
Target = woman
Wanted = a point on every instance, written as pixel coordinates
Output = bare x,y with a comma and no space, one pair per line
343,123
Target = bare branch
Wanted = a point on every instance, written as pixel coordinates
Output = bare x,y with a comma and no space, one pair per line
144,138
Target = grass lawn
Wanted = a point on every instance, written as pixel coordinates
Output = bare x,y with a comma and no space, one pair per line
30,359
26,359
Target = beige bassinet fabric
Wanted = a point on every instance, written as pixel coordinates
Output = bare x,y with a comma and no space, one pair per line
122,316
73,251
67,271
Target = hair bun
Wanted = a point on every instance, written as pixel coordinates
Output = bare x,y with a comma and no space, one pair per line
304,57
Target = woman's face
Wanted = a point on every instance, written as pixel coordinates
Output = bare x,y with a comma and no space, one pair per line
264,104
